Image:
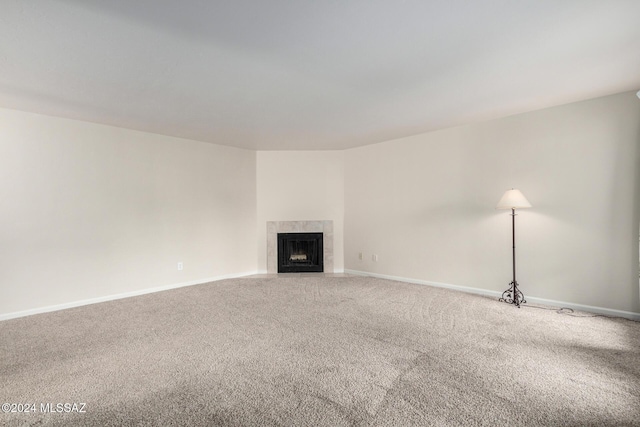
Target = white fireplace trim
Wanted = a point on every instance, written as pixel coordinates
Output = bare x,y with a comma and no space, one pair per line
275,227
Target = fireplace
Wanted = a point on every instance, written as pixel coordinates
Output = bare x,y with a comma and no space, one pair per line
300,253
304,226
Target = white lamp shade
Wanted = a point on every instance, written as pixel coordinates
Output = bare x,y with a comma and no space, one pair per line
513,199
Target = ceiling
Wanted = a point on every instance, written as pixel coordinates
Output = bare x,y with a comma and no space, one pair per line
310,75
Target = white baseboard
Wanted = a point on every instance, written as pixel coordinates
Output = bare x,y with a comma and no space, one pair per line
496,294
96,300
485,292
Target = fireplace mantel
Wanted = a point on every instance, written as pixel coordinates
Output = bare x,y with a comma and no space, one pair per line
275,227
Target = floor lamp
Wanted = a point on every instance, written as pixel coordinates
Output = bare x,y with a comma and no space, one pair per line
513,199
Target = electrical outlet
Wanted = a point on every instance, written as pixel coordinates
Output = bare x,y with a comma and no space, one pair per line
180,266
360,256
374,257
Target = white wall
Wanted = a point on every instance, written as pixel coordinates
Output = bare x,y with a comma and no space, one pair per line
425,204
89,211
300,186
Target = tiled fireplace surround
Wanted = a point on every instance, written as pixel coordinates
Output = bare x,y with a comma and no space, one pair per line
275,227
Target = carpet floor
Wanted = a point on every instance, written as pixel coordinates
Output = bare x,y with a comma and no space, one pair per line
318,351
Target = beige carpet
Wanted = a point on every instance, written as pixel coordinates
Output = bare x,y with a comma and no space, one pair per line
313,351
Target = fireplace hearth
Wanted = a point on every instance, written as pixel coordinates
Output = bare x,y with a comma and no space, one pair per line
300,253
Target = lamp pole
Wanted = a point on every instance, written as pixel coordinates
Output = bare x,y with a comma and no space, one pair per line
513,295
513,241
513,199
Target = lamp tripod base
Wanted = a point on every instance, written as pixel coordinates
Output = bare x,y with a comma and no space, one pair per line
513,295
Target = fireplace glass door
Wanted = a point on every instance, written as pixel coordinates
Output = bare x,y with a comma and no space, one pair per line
300,253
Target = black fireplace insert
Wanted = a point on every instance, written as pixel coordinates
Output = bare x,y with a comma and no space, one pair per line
300,253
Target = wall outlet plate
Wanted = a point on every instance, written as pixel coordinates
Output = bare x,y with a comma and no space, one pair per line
180,266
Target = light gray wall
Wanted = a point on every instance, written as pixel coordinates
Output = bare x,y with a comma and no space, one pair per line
425,204
300,186
89,211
